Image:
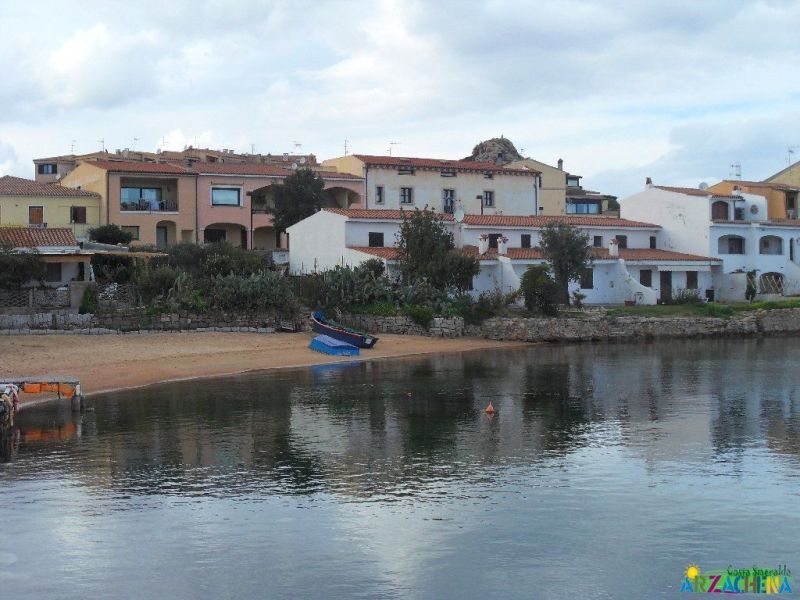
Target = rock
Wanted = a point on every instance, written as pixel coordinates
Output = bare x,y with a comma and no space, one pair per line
500,151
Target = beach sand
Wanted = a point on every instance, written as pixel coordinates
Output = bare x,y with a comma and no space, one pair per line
111,362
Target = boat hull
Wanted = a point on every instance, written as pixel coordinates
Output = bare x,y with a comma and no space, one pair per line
319,325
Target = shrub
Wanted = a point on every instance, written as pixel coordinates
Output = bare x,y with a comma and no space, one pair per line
113,269
345,286
379,309
224,258
421,315
89,301
110,234
751,290
19,268
155,284
577,299
539,290
257,293
686,296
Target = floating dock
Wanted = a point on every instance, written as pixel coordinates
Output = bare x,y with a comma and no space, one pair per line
64,387
334,347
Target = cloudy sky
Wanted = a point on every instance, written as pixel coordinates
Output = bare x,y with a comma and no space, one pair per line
678,90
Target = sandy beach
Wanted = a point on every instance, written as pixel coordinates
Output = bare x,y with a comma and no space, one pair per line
110,362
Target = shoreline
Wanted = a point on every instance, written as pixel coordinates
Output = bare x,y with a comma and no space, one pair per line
106,364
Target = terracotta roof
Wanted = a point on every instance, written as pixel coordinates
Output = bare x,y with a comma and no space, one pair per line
693,192
123,166
17,186
651,254
439,163
379,214
257,169
34,237
389,253
759,184
541,221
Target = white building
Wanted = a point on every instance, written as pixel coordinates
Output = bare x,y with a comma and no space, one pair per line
392,182
629,263
733,228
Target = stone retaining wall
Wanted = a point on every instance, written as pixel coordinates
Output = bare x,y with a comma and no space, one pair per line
596,327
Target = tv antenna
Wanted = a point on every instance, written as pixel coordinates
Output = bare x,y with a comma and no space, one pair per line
252,148
736,170
789,152
392,145
102,144
297,146
72,147
135,140
345,147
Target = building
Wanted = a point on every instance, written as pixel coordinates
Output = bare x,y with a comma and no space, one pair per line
781,198
789,176
392,182
734,228
54,168
155,202
30,204
232,200
629,263
68,268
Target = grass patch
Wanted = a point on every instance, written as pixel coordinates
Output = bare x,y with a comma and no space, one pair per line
712,309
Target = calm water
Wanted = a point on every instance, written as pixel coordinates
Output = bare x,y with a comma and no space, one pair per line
604,473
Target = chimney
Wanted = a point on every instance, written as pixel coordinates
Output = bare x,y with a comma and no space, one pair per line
502,245
613,248
560,164
483,244
648,182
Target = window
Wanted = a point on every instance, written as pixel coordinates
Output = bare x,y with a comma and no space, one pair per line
646,277
448,200
573,181
132,229
488,175
770,244
77,214
730,244
493,237
488,199
652,241
140,198
405,170
36,215
53,272
226,196
587,279
598,241
691,280
212,236
448,173
622,241
525,240
46,169
378,194
376,239
406,195
583,208
719,211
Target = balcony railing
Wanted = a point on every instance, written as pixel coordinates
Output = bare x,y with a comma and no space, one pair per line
149,206
79,230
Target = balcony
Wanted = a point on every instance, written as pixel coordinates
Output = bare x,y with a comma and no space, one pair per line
148,205
144,195
79,230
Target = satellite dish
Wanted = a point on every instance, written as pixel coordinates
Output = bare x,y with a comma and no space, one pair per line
302,160
459,216
294,166
703,185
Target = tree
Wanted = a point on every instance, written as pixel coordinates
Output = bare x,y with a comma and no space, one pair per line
110,234
539,290
19,268
299,196
427,253
567,250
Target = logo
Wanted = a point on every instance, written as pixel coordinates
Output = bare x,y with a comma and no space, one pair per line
752,580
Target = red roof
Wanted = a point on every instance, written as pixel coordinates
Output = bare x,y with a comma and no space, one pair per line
693,192
378,214
123,166
17,186
389,252
34,237
438,163
652,254
263,170
541,221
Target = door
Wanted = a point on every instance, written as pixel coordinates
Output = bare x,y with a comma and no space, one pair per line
161,237
36,215
646,277
244,238
666,286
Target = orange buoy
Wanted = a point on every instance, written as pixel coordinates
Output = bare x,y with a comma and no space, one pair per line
490,409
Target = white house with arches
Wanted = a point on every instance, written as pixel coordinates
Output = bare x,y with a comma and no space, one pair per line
731,227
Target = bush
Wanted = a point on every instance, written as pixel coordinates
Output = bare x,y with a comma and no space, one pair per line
19,268
539,290
258,293
421,315
154,284
751,290
223,258
89,301
113,269
345,286
378,309
110,234
686,296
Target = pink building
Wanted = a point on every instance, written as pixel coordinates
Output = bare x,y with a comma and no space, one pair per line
232,198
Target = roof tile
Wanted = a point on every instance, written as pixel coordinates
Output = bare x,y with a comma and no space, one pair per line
123,166
17,186
34,237
541,221
438,163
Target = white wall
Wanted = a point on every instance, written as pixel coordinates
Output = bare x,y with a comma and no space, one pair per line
317,243
358,232
637,238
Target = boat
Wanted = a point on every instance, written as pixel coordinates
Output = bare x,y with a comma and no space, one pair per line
333,329
328,345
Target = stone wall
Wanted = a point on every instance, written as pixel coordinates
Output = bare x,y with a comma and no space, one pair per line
593,327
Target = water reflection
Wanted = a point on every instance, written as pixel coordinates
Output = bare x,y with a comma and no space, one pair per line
388,479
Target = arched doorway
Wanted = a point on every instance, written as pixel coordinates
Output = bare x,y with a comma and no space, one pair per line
225,232
731,244
340,197
719,211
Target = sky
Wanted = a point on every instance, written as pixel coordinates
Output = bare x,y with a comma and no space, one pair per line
678,90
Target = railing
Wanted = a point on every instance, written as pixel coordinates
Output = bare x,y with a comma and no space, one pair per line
150,206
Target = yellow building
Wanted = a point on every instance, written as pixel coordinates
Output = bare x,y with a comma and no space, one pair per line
781,198
27,203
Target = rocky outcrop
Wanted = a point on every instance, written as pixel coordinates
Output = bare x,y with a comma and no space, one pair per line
500,151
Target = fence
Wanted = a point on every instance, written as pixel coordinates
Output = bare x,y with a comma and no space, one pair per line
767,283
117,295
35,298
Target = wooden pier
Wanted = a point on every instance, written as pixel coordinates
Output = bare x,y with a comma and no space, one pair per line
64,387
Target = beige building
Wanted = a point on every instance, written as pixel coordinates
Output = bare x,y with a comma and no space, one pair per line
155,202
781,198
27,203
392,182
